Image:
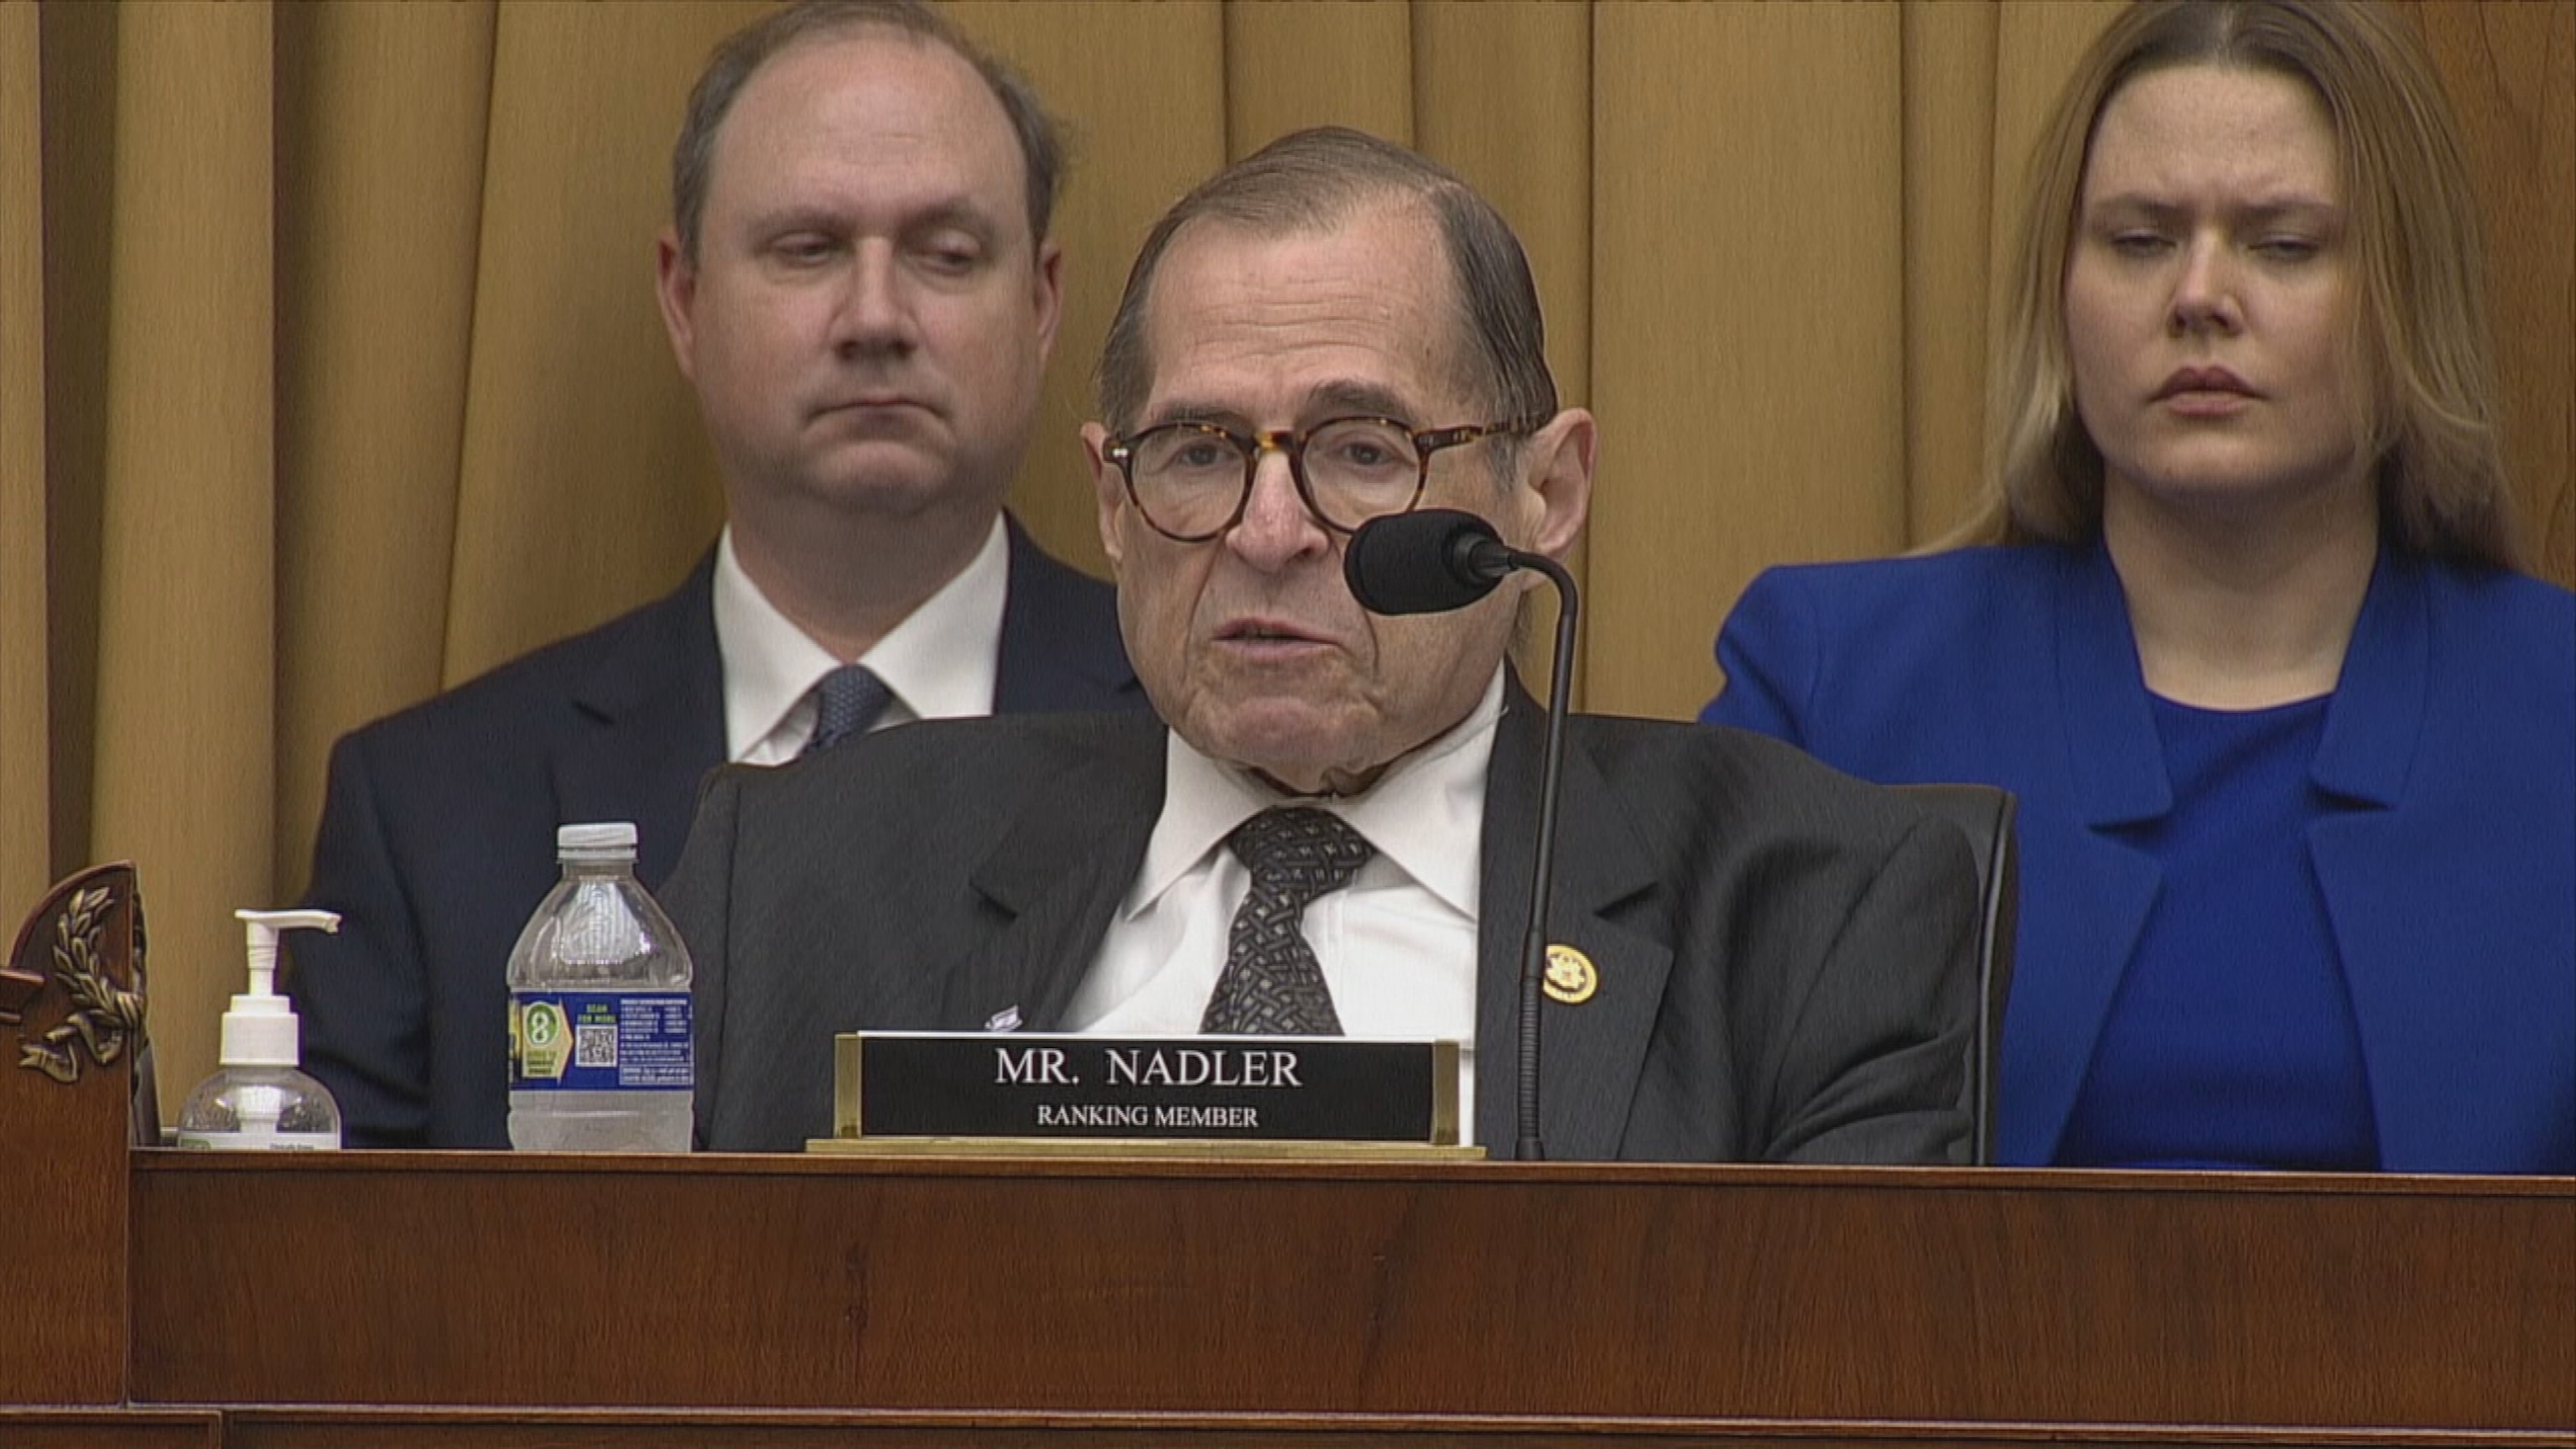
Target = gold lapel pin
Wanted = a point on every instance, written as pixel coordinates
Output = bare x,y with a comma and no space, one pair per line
1571,977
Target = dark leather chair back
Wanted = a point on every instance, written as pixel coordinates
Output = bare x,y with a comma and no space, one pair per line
1985,814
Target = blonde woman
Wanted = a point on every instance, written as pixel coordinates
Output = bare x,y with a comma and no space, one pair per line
2295,743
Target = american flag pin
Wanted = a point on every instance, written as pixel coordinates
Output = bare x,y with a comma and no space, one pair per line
1006,1019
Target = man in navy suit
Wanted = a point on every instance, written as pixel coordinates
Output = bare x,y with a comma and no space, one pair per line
859,284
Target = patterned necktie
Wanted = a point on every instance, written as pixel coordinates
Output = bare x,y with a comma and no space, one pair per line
847,702
1272,985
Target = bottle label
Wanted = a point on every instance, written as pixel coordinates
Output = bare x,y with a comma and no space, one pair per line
257,1140
600,1041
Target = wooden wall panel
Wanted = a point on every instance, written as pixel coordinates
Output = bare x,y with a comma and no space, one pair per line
1292,66
1949,192
77,55
585,481
379,202
185,782
1503,96
2511,74
1142,89
26,864
1748,320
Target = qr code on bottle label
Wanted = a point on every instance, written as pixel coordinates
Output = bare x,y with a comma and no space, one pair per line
595,1046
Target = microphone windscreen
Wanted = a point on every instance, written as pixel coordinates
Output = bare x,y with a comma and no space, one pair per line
1418,562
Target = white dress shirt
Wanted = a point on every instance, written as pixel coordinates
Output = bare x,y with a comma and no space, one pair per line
1397,946
940,662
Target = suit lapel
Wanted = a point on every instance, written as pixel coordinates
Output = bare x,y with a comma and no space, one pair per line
1053,884
1059,648
657,703
1059,874
2114,766
1590,1054
2369,860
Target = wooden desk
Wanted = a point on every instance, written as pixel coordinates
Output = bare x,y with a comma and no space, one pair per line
489,1300
425,1299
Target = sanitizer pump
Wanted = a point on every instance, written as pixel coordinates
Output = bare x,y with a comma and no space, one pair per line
259,1099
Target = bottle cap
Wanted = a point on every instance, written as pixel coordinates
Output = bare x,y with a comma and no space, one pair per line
261,1030
595,841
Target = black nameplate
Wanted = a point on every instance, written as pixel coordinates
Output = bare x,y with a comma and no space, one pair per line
1313,1089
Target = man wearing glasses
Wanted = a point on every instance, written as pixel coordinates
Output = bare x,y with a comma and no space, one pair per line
1332,835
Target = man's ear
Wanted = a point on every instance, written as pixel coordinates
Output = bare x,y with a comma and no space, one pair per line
675,286
1559,470
1108,490
1049,285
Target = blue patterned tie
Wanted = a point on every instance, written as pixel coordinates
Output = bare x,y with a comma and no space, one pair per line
847,702
1272,985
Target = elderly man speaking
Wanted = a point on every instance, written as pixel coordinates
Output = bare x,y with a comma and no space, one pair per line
1329,331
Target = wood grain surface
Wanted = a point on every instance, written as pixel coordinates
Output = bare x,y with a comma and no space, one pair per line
1544,1291
63,1171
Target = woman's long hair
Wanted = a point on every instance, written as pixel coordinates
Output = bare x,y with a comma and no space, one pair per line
2420,329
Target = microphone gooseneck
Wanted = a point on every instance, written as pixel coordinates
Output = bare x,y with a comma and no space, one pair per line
1433,560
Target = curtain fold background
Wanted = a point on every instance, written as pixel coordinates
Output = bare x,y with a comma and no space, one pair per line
330,373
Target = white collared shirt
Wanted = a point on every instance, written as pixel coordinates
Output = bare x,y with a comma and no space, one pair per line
1397,946
941,661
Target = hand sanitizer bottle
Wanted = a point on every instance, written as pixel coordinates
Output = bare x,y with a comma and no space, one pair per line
258,1100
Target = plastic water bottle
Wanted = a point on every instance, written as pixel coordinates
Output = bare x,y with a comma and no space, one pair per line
600,1047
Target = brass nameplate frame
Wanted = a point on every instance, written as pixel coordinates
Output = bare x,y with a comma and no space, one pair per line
910,1093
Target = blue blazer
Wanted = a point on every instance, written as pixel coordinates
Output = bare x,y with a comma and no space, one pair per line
2450,878
438,827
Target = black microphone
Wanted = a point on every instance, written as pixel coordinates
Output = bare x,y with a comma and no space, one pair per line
1436,559
1425,562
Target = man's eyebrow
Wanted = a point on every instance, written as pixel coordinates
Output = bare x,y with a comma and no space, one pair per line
796,218
961,212
1339,399
1343,399
1194,410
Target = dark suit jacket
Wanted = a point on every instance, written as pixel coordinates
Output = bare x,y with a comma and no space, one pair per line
2448,868
1783,952
437,835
